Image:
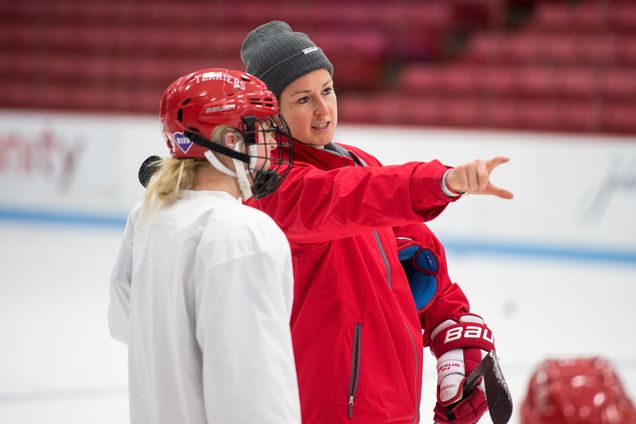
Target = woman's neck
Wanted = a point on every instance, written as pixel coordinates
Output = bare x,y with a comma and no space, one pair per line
208,178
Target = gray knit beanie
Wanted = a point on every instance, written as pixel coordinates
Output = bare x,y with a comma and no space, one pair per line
278,56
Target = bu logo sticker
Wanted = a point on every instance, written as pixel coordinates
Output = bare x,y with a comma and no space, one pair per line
182,141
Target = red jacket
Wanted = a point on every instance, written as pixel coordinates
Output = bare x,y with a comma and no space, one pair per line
356,333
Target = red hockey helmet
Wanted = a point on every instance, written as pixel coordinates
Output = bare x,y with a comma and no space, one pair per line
195,104
576,391
202,100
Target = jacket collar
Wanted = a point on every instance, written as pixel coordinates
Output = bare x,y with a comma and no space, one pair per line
332,156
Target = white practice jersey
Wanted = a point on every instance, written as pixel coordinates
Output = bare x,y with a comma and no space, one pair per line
202,294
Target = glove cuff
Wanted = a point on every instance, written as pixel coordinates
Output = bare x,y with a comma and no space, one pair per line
469,332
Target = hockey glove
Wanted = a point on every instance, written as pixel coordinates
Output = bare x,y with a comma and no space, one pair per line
459,347
420,266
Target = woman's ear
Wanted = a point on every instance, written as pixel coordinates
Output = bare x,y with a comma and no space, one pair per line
229,139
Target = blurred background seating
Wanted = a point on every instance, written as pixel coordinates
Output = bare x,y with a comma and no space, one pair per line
517,64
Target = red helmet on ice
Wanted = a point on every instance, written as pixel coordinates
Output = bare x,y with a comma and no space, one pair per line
576,391
195,104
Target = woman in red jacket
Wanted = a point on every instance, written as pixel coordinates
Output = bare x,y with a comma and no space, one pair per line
356,329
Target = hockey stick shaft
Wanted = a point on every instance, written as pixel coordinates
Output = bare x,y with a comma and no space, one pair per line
497,393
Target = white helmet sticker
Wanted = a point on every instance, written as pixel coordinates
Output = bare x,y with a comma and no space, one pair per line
221,76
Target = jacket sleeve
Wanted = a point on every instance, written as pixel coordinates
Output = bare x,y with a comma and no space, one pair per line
119,302
449,301
313,205
242,327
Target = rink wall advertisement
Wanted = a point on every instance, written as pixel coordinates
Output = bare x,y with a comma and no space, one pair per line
574,194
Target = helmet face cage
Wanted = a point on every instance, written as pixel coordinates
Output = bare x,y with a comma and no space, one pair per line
269,146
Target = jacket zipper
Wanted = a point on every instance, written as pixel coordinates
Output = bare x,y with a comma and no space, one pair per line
386,261
417,370
355,367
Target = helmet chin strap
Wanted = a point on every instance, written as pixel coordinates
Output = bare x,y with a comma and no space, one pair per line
252,151
244,184
216,163
239,166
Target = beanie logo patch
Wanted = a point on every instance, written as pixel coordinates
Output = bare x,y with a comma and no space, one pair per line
310,49
182,141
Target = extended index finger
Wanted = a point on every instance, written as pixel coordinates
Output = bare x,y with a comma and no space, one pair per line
495,162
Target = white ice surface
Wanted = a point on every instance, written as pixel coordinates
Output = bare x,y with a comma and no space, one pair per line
58,364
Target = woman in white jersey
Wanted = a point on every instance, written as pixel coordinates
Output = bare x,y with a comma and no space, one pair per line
203,285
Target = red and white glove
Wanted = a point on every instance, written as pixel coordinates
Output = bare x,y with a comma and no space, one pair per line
459,347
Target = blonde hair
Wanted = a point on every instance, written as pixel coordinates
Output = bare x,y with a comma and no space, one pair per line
174,175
